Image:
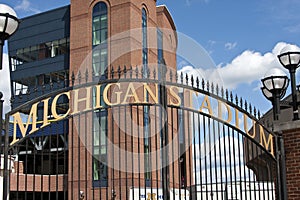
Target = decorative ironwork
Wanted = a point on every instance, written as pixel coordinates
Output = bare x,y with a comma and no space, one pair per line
209,154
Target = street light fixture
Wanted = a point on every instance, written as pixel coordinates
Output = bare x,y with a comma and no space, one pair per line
290,59
8,25
274,88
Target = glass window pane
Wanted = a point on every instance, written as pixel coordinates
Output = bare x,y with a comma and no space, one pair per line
96,23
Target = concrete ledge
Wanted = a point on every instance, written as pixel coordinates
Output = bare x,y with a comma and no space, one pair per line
285,126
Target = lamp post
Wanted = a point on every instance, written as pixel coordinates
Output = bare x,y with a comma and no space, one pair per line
274,88
290,59
9,23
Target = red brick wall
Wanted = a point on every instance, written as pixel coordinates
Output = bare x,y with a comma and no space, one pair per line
292,152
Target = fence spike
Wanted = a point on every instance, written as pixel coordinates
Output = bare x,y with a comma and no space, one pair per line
130,71
207,86
186,78
231,97
181,77
241,102
119,71
197,82
112,72
222,92
192,80
125,71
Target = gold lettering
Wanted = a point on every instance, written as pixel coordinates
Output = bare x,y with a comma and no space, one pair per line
54,105
237,120
98,99
18,121
147,90
175,95
220,113
246,127
263,141
77,100
206,104
131,93
105,94
45,114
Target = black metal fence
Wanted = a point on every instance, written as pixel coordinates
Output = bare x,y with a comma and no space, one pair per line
137,137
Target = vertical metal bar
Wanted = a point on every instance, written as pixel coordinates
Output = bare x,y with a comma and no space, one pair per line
86,196
220,160
234,160
65,157
173,158
50,162
230,161
139,150
200,157
209,153
195,155
240,163
57,158
254,177
205,152
282,167
6,142
225,158
26,167
215,156
126,150
78,156
119,147
132,151
34,164
295,109
71,149
164,134
42,168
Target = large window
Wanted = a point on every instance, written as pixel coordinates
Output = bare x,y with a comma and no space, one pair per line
146,108
100,60
100,35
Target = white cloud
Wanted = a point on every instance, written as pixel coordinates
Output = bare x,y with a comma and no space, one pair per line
26,6
246,68
5,83
230,45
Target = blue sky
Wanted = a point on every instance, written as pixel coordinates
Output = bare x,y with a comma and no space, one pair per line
242,37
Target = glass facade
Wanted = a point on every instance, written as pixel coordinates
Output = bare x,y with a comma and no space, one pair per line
40,52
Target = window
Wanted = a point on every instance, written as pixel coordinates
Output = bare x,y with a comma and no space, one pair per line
100,60
146,108
40,52
160,53
99,36
100,175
